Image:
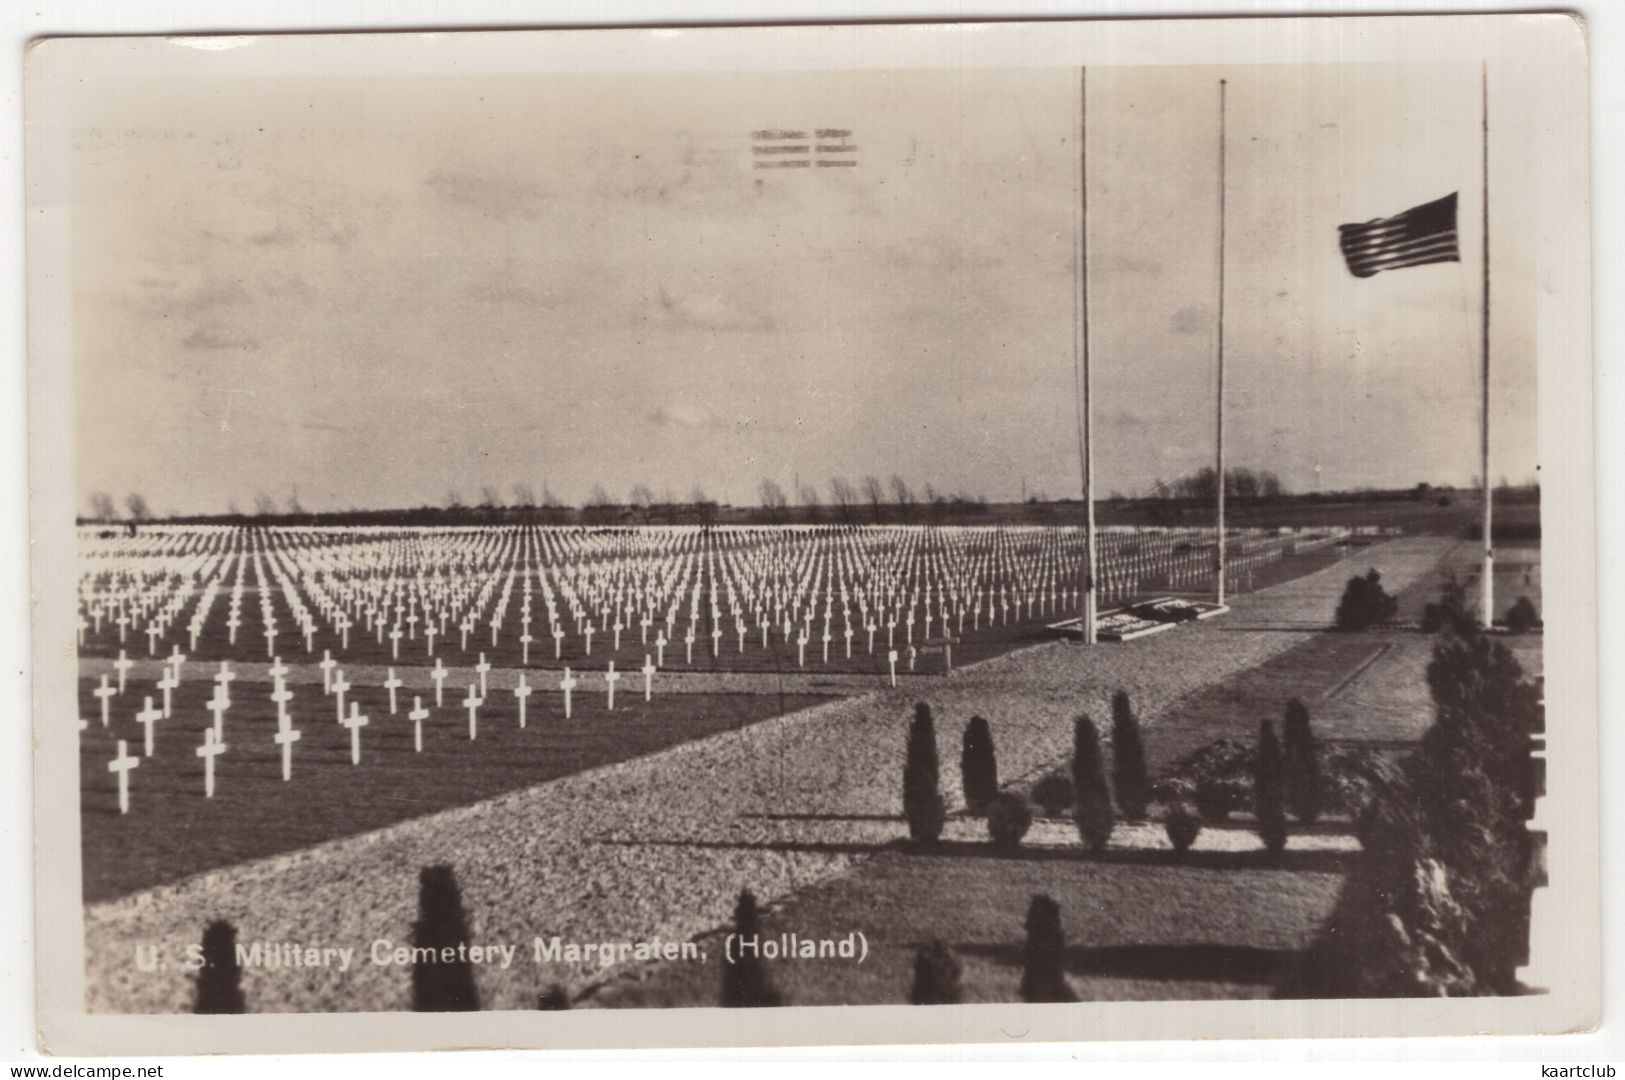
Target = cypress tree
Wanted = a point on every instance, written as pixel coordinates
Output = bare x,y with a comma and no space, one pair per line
1302,763
978,766
745,982
1129,778
936,975
1094,814
1043,956
219,981
922,793
439,985
1269,803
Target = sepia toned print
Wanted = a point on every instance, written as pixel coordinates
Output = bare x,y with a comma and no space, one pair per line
648,534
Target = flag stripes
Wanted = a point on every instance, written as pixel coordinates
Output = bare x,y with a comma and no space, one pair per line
1419,236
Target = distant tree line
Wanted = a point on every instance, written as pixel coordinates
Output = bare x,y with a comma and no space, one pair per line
1240,483
869,500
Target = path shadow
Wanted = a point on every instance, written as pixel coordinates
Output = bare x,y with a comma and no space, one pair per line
822,817
1274,628
1197,962
1288,862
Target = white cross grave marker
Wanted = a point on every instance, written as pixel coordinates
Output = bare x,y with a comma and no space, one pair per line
286,735
612,677
121,766
168,684
439,675
104,692
218,704
281,695
355,722
567,684
392,684
472,703
340,685
522,691
122,665
211,749
417,716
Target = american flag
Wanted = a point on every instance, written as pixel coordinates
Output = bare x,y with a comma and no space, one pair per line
1421,235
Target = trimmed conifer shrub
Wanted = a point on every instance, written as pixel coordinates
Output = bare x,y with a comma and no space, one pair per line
1008,821
1269,802
978,766
1129,780
936,975
1302,763
745,982
1522,616
1043,955
1365,603
554,999
1183,826
1054,794
1094,814
922,792
219,980
439,985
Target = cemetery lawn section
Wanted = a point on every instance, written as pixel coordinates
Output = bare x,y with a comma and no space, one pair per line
657,847
174,831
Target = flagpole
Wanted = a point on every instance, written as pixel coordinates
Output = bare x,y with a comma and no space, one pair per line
1219,477
1488,589
1086,434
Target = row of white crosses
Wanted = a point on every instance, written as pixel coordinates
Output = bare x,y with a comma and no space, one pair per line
334,685
726,589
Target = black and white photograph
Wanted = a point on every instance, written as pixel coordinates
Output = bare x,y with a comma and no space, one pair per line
565,522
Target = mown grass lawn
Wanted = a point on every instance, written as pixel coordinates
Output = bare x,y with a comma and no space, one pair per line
173,831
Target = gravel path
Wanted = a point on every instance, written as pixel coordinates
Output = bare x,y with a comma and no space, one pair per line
659,847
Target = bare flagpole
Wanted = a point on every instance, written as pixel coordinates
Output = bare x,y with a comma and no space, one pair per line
1488,590
1219,477
1086,434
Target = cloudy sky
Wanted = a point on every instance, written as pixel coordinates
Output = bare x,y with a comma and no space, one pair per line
377,290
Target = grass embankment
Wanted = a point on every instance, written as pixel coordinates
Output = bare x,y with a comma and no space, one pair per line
1139,927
